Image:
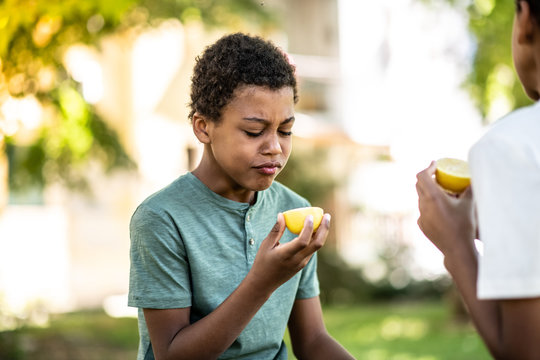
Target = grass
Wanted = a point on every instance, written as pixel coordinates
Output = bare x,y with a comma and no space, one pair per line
419,331
88,335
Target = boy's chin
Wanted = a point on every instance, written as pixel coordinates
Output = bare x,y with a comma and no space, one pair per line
260,186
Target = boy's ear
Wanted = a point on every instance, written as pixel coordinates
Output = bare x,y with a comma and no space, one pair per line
525,24
200,128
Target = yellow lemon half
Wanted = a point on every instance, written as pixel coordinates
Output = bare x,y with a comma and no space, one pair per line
453,174
294,219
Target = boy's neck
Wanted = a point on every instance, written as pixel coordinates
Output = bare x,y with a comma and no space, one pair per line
222,187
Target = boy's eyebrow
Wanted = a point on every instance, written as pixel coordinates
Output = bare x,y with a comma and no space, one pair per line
264,121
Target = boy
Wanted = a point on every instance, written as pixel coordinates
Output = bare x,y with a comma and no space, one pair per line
212,272
501,288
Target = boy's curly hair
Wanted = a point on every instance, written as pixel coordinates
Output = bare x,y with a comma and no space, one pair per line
235,60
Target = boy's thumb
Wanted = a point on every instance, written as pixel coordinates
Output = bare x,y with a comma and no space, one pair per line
467,193
275,234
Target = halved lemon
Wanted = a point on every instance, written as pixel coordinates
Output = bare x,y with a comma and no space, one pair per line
294,218
453,174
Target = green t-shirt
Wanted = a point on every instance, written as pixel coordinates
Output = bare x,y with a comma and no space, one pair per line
191,247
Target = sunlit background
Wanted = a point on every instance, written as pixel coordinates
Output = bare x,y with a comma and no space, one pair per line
93,119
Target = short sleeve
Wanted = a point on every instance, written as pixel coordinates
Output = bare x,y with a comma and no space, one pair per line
309,282
159,272
506,187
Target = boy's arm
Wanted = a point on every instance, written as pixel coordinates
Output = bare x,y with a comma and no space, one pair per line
509,328
173,337
309,337
520,324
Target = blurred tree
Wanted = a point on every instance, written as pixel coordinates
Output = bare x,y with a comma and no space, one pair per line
492,81
47,128
307,174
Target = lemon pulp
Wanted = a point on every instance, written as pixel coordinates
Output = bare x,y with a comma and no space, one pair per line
453,174
294,218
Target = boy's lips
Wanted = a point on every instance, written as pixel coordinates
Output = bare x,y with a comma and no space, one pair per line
269,168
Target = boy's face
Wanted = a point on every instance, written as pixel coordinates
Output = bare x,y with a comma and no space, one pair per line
525,47
252,141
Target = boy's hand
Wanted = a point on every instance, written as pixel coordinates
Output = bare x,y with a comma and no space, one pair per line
276,263
445,219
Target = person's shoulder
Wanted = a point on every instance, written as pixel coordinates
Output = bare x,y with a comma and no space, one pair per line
521,120
161,206
517,128
170,193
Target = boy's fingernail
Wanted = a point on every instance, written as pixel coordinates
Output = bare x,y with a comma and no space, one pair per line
328,217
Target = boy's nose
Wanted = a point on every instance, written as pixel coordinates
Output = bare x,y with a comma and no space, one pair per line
272,145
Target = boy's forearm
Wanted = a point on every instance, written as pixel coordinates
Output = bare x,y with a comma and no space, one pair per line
463,268
212,335
326,347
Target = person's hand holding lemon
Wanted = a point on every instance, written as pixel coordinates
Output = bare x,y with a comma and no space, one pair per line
447,212
277,262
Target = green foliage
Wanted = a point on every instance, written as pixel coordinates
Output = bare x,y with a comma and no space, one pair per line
64,145
45,25
9,346
342,284
33,38
492,27
492,77
226,13
339,283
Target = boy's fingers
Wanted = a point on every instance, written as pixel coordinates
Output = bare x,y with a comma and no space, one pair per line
307,230
303,239
425,178
467,193
275,234
427,172
318,239
322,232
325,223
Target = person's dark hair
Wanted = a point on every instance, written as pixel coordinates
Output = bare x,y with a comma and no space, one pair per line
534,5
236,60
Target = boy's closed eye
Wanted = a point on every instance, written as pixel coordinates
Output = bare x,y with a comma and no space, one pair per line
254,133
285,133
284,129
259,133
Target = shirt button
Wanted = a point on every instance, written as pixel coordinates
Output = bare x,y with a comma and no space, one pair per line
248,217
251,242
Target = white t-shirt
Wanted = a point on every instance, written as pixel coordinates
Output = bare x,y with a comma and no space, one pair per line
505,172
